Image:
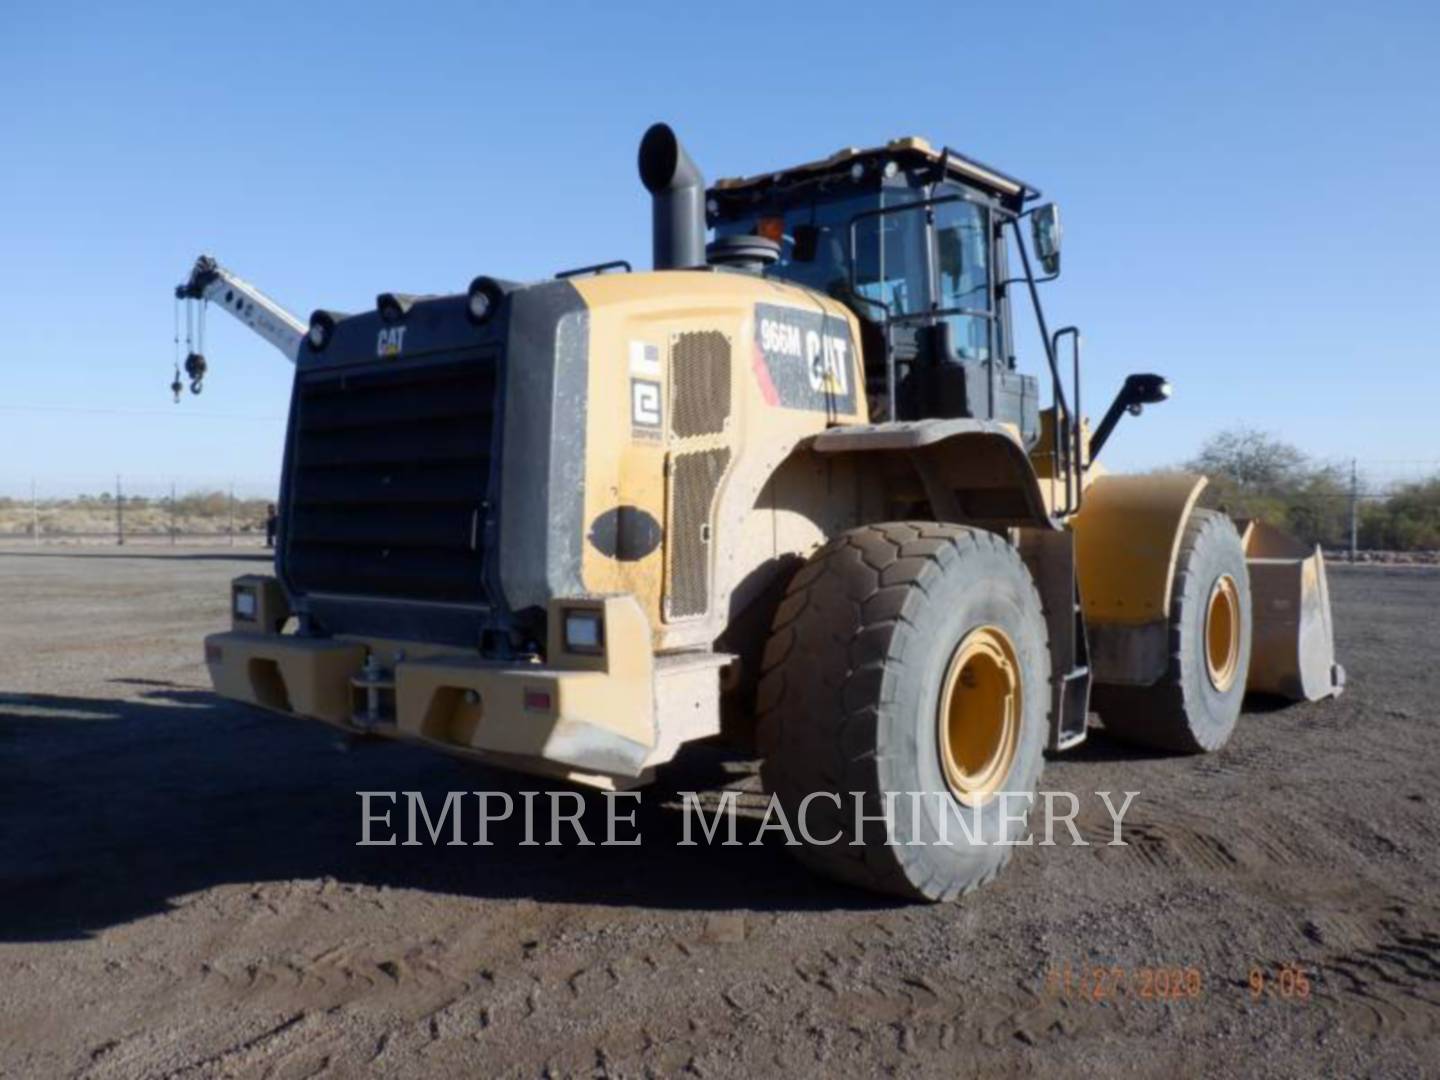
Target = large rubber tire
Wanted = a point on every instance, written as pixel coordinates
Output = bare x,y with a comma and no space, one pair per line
1184,710
850,691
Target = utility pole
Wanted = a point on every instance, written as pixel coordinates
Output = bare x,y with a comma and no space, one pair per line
119,512
1354,506
34,516
172,513
231,516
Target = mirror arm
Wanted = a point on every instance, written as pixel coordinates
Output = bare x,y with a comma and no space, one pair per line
1018,280
1135,393
1031,280
1112,416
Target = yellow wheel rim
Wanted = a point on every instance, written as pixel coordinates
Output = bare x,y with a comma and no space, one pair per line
1222,633
979,716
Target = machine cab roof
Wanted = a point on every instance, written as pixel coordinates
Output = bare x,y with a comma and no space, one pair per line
912,240
848,226
911,152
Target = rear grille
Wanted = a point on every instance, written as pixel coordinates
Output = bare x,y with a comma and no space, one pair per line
389,481
699,383
693,480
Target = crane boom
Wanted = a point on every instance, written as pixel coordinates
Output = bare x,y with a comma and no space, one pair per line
209,281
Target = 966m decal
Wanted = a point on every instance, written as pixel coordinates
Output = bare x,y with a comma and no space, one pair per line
804,359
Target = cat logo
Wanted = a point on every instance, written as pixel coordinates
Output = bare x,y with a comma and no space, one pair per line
390,341
827,362
804,360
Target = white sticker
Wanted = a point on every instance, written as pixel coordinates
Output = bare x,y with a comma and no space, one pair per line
644,403
644,360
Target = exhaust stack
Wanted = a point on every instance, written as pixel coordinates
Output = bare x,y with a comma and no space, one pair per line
677,193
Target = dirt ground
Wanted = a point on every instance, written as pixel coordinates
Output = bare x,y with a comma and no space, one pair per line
181,894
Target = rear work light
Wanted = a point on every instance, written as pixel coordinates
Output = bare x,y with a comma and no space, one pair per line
245,605
482,298
584,631
322,328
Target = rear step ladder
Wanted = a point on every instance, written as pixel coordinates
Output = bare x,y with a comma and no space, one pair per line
1050,555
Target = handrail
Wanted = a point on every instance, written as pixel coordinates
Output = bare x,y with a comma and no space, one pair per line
1072,434
597,268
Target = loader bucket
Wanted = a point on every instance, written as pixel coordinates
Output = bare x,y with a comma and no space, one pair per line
1293,643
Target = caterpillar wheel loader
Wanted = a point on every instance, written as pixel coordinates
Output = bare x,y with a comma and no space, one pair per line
793,487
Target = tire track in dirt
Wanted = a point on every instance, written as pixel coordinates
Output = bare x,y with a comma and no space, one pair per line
1389,985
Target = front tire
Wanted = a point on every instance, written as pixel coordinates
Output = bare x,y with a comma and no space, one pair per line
907,657
1193,707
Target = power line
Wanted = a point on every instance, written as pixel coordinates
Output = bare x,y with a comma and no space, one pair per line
89,411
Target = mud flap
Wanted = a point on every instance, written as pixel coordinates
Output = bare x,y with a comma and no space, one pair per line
1293,650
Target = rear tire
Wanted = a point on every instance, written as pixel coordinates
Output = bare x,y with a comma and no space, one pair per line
1193,707
907,657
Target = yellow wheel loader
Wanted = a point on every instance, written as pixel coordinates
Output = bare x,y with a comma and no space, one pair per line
792,487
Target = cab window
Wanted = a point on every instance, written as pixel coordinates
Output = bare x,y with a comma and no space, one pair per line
892,266
962,257
890,275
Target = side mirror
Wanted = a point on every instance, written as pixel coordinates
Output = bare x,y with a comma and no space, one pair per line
1142,390
1045,234
1138,391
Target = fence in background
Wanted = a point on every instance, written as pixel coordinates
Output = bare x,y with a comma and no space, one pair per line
1348,508
119,510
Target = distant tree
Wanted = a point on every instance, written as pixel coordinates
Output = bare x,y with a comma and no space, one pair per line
1254,474
1254,462
1317,506
1257,475
1414,516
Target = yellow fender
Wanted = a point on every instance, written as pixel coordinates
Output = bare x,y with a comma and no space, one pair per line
1127,538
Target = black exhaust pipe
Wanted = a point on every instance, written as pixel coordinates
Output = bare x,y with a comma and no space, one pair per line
677,196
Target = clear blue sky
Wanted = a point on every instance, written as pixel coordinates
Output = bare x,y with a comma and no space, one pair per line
1249,190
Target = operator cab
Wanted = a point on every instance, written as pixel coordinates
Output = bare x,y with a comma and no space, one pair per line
912,241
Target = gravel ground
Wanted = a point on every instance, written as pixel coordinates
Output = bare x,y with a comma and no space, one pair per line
181,894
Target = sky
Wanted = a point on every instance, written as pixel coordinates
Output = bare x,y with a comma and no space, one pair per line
1248,190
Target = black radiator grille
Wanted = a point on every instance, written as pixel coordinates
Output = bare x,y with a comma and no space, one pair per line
694,478
389,477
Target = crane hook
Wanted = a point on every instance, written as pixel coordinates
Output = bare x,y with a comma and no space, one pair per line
195,370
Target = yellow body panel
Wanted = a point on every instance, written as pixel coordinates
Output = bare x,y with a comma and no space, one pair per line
635,321
1127,538
1048,467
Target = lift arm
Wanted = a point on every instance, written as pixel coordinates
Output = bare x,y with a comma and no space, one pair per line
209,281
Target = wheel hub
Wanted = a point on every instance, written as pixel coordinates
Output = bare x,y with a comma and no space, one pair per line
1222,633
979,714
